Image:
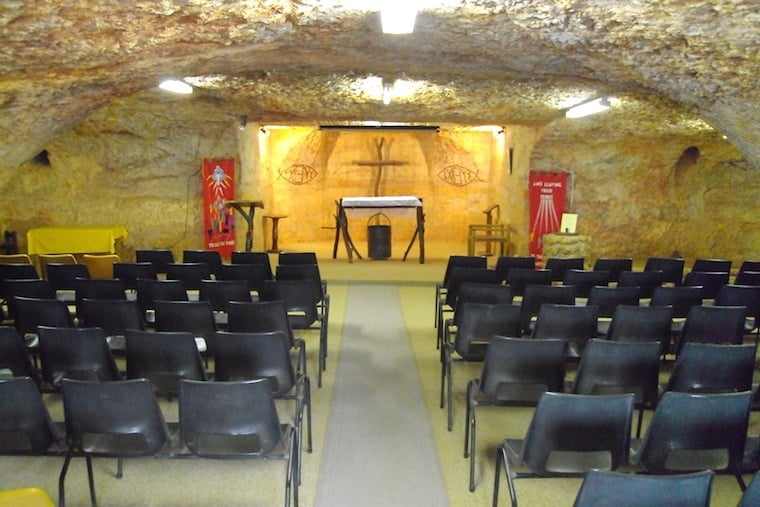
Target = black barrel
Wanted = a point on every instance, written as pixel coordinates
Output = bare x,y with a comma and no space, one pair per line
379,237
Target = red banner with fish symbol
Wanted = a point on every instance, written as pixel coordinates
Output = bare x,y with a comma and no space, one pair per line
218,188
547,204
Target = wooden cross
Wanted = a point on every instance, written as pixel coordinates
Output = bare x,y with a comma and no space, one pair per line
379,163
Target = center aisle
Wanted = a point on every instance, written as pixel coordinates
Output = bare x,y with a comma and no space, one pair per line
379,448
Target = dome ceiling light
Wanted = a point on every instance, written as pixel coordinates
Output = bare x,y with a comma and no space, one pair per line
176,86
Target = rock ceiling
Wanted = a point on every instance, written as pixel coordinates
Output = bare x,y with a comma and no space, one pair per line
674,66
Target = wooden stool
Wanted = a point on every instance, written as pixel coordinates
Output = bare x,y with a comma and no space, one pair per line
275,231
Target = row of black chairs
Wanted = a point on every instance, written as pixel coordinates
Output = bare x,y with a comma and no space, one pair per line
518,272
570,435
728,319
516,372
163,357
105,303
622,489
576,326
122,419
673,268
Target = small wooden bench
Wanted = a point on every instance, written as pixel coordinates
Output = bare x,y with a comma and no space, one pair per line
489,234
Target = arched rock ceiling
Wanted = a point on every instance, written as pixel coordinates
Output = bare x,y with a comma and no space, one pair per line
676,66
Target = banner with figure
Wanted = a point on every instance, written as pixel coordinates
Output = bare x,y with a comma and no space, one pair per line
218,188
547,204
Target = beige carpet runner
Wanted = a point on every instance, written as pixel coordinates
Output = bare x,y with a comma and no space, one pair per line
379,449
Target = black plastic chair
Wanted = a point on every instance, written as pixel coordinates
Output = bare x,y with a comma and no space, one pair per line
149,291
261,258
110,419
98,288
469,292
702,264
560,265
614,266
211,257
678,440
114,317
250,427
713,368
605,488
164,358
43,260
129,272
477,324
607,299
575,325
507,262
713,324
32,313
254,274
159,257
26,428
516,372
296,258
608,367
710,281
63,278
749,265
751,495
584,281
75,353
220,292
632,323
311,273
442,286
564,439
747,278
646,281
249,356
189,272
537,295
519,278
196,317
457,276
747,296
14,359
671,267
264,317
25,287
18,271
303,312
681,298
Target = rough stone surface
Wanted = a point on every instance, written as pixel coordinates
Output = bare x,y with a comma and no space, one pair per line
77,79
673,64
567,246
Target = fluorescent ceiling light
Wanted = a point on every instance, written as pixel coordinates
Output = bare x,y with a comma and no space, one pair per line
587,108
398,17
387,92
176,86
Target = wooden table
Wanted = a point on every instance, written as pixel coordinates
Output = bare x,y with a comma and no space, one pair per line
384,204
275,231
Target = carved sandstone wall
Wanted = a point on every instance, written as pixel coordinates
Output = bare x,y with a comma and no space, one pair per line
137,163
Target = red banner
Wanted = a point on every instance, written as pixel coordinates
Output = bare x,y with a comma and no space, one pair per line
547,203
218,188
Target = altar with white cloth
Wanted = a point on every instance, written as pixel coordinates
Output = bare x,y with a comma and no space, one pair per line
397,205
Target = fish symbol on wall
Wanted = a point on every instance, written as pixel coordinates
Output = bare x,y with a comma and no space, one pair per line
458,176
298,174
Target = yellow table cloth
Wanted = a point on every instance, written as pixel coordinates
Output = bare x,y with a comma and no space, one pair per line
74,239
